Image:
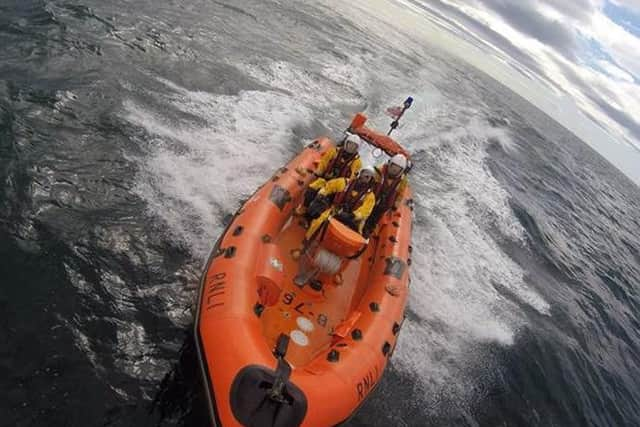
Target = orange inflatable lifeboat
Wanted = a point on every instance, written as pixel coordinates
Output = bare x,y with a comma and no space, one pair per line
276,354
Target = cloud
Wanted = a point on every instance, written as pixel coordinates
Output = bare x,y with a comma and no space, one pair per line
578,47
614,71
623,46
463,24
603,99
579,11
631,5
527,18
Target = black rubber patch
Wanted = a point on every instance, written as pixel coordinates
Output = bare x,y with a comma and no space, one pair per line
218,252
396,328
315,145
333,356
230,252
316,285
238,231
395,267
258,309
374,307
392,290
356,334
252,406
386,348
280,196
410,204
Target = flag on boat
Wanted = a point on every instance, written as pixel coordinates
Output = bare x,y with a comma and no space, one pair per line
395,112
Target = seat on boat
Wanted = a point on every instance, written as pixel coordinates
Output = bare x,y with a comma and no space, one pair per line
336,243
341,240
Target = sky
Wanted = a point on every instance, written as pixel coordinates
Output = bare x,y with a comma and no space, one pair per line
584,53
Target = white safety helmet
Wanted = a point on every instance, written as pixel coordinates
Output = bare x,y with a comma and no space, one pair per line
352,144
397,165
367,174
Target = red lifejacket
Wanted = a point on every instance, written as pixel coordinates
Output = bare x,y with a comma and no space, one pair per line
345,201
386,190
340,166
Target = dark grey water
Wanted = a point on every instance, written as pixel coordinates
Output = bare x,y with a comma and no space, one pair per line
130,131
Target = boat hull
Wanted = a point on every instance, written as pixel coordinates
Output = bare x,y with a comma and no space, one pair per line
341,338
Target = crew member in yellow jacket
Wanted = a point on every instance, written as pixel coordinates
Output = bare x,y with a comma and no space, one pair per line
340,162
353,203
391,181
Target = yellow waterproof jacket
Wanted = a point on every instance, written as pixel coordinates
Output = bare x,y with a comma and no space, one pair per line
335,186
366,208
327,158
338,185
404,182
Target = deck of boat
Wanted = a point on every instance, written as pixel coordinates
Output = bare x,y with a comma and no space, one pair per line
310,317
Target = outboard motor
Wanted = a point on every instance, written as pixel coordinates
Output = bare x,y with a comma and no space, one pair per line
261,397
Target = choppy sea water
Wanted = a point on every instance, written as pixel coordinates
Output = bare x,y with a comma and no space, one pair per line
131,130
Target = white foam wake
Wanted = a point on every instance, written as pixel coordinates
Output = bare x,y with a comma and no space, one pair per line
196,173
